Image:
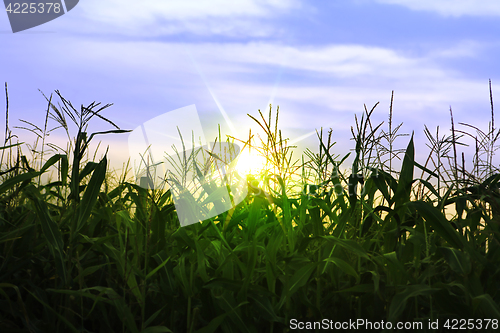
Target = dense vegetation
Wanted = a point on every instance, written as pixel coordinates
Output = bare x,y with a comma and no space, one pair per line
93,252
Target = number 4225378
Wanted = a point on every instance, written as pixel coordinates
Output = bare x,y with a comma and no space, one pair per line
33,8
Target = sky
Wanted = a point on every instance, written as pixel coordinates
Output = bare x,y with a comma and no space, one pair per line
319,61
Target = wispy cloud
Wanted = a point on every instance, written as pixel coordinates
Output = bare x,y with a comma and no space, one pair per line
453,8
340,61
464,49
202,17
244,77
142,57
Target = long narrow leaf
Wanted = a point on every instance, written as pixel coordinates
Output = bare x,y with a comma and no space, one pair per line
91,192
439,223
51,232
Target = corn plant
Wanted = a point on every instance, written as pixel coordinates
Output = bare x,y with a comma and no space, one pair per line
95,252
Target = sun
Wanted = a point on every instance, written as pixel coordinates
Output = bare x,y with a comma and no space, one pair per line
250,162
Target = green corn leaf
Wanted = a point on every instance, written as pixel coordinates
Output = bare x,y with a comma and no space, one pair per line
64,169
403,191
122,308
360,288
107,132
87,169
150,274
91,192
342,221
88,271
236,285
399,301
202,261
439,223
214,324
51,161
263,303
254,215
227,302
11,182
156,329
158,226
17,233
381,186
429,187
251,262
396,268
51,232
154,315
348,245
182,235
344,266
19,298
217,321
488,306
459,262
61,317
299,279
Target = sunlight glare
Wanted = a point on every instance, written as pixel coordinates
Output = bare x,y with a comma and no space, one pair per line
251,162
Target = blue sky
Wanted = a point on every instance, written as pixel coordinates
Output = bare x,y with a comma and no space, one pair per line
319,61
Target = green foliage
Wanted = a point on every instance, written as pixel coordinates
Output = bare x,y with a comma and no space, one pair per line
81,255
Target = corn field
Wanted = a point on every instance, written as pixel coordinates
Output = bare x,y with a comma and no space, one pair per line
314,239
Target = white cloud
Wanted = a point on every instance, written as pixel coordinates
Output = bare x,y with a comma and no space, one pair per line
203,17
454,8
320,86
335,61
464,49
342,77
181,10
